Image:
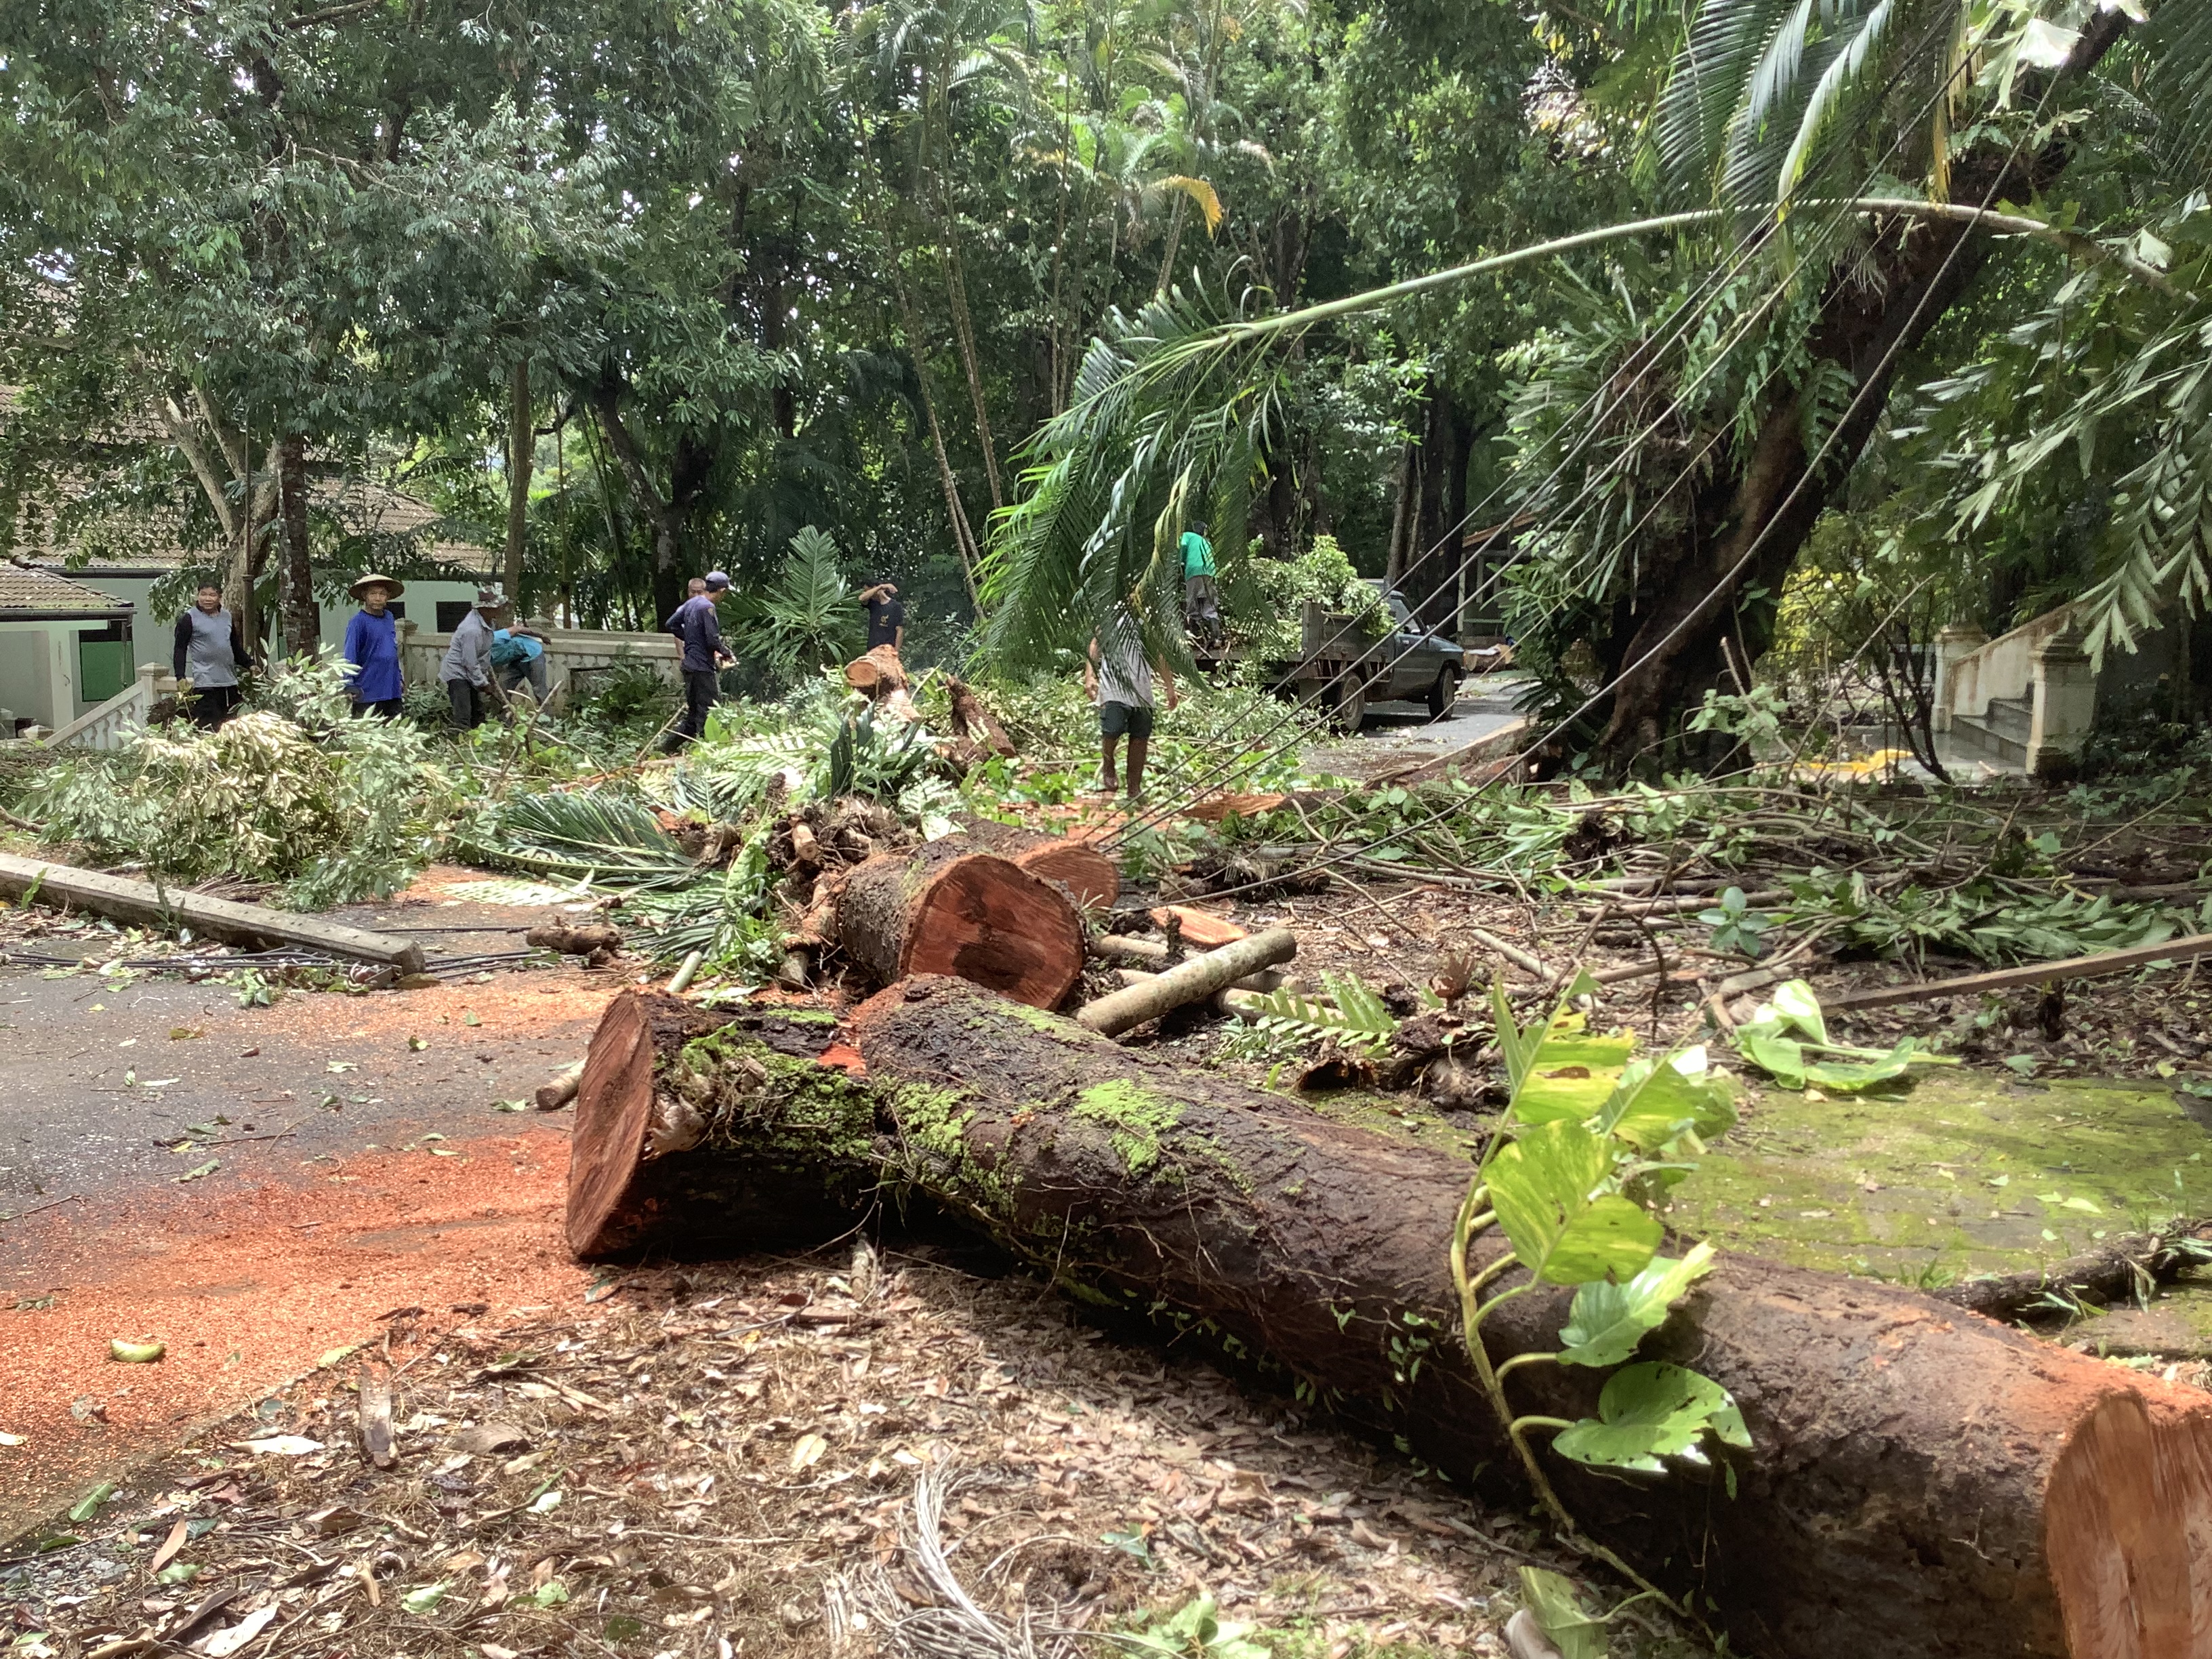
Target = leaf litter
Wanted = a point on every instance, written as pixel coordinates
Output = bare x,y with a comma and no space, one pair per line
818,1457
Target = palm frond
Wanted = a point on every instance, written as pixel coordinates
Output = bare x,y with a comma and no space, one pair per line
608,838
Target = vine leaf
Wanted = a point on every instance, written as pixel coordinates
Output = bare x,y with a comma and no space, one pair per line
1648,1412
1607,1321
1782,1035
1552,1601
1543,1188
1657,1101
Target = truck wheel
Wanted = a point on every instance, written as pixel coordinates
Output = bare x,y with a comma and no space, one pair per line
1349,712
1443,694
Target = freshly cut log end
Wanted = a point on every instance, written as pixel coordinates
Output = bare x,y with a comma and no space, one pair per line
697,1131
1090,874
949,909
2127,1531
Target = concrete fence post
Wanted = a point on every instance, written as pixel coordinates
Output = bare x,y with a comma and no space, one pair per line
2064,687
1953,644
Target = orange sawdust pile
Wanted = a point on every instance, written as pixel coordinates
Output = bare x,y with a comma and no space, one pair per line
254,1288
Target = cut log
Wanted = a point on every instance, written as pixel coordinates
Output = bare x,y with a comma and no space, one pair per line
553,1096
950,909
665,1149
1923,1483
1199,927
1194,980
878,673
570,941
1077,863
975,722
144,905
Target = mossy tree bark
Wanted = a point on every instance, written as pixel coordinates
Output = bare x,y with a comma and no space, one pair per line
1922,1482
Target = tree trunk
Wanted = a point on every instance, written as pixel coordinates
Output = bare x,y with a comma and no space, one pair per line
1090,875
1750,516
303,621
948,908
521,453
1924,1484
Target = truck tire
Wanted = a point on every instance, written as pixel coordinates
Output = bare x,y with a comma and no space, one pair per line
1444,694
1349,711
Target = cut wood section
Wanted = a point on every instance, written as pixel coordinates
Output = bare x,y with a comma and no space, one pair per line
1199,927
2186,948
1197,980
661,1154
144,905
880,672
1074,862
950,909
1923,1483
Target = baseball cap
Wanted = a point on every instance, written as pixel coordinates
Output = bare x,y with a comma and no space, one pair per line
716,581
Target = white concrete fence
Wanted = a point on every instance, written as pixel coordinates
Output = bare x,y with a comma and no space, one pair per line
2040,664
575,657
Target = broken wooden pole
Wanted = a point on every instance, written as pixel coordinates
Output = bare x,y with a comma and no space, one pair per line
1194,980
2097,966
170,909
1921,1483
552,1095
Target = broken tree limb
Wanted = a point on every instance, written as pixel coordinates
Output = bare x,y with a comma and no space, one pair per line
2127,1268
172,907
1921,1483
1090,874
552,1095
950,907
974,722
1194,980
2103,962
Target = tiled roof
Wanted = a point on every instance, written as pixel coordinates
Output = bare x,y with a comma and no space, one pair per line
24,588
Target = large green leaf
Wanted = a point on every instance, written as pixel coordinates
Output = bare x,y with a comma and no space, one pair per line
1546,1188
1607,1321
1552,1600
1788,1039
1650,1412
1657,1100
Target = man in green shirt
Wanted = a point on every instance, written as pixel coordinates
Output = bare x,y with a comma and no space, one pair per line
1201,599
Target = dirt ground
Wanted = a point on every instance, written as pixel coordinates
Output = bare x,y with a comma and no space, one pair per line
723,1458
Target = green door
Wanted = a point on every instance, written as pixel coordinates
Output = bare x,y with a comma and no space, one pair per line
103,668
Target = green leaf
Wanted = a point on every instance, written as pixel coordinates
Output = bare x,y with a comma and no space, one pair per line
1607,1321
1650,1412
1545,1189
1656,1101
1798,1005
1551,1599
425,1598
88,1506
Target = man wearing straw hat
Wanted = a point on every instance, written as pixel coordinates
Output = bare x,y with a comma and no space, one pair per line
372,648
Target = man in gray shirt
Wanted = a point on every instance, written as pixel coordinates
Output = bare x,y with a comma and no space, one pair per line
1119,679
466,670
206,660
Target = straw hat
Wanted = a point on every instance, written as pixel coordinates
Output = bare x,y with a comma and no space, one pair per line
392,587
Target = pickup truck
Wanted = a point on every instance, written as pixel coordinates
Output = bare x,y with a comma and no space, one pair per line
1342,670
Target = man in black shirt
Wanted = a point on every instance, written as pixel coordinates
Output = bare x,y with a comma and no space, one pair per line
886,615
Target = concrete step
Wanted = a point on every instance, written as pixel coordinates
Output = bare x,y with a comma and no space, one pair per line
2010,716
1979,737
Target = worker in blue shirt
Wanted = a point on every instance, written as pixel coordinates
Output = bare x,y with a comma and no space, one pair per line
372,648
699,629
518,654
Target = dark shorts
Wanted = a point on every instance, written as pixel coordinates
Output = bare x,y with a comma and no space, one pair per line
212,705
1116,718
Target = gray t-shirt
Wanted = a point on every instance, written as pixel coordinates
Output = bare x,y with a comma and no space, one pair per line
468,657
1125,674
208,661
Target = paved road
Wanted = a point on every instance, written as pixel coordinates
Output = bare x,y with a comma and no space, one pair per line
1396,734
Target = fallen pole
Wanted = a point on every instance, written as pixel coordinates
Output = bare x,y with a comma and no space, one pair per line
127,899
1194,980
2098,966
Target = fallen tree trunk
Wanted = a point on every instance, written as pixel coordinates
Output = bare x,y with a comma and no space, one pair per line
950,908
1078,866
1924,1484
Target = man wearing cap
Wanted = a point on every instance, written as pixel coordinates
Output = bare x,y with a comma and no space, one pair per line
886,615
699,628
372,648
466,670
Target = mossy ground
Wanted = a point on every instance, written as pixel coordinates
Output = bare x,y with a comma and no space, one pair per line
1961,1173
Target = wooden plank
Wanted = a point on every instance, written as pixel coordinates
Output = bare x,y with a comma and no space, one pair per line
127,899
2186,948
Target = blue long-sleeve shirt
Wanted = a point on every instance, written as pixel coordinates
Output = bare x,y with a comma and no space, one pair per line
372,646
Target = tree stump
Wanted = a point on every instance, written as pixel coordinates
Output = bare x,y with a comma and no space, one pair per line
1923,1483
950,907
